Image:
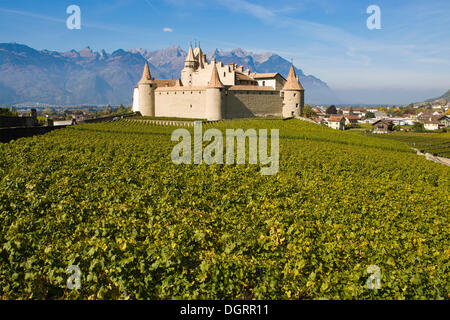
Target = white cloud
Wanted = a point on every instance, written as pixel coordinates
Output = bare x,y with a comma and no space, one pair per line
167,29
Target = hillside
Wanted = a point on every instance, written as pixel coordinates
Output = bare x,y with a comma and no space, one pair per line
445,96
107,198
87,77
442,99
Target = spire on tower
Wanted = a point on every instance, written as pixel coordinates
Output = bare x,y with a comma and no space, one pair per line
292,82
215,80
190,56
146,76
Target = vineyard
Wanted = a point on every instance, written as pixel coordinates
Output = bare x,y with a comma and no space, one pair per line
437,144
107,198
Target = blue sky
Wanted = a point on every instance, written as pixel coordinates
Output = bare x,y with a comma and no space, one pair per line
407,60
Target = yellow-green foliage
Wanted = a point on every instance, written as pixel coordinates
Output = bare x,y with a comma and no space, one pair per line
106,197
435,143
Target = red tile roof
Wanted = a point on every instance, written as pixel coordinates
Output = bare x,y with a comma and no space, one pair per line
335,118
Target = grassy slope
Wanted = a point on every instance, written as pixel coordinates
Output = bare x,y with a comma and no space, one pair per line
107,198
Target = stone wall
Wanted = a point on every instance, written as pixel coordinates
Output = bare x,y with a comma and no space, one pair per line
8,134
242,103
181,103
6,121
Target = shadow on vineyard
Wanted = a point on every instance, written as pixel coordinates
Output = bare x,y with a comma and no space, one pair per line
107,199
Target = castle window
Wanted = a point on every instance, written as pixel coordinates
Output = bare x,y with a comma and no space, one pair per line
295,94
191,106
224,74
264,83
191,92
296,105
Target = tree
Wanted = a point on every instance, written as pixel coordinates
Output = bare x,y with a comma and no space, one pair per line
331,110
350,112
370,115
7,112
418,127
307,112
397,112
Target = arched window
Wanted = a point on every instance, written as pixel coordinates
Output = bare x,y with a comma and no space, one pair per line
264,83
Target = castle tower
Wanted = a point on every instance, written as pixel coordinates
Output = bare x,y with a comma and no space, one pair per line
147,88
189,67
199,57
214,95
294,96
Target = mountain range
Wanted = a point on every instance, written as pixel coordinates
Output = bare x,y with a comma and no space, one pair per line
29,76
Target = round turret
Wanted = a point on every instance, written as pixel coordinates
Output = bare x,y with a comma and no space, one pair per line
214,97
294,96
147,88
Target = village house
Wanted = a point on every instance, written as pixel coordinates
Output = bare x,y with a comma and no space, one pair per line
336,122
426,114
402,121
382,126
351,120
320,120
436,122
380,115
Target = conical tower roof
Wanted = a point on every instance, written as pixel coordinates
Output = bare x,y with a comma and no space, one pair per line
215,80
146,76
292,83
190,56
200,58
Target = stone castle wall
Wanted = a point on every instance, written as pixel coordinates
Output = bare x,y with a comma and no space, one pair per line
181,103
243,103
187,103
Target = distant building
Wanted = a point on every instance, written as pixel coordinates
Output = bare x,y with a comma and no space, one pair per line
382,126
380,115
426,114
320,120
336,122
351,120
436,123
402,121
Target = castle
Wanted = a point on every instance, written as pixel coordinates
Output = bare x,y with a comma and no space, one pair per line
215,91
